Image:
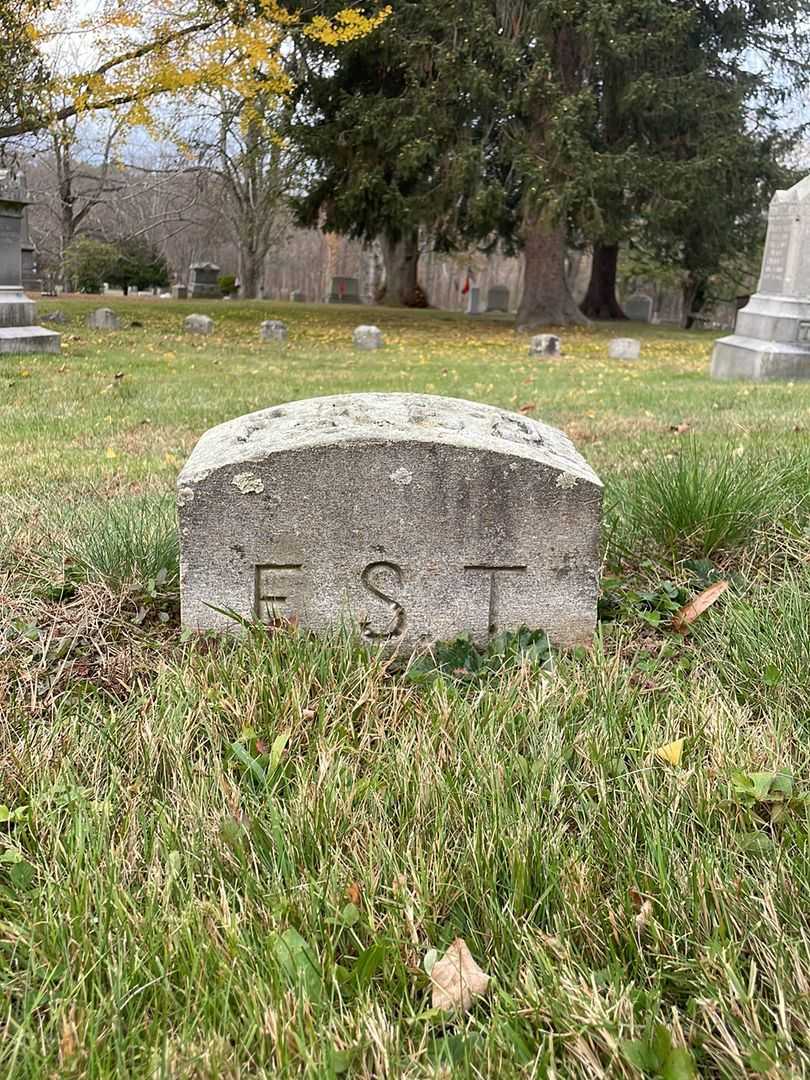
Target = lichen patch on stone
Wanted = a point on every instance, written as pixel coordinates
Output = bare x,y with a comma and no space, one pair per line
184,496
248,483
566,481
402,476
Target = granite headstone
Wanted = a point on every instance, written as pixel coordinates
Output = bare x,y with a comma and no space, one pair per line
413,518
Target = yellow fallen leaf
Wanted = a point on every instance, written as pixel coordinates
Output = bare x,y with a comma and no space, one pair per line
457,979
671,753
689,612
110,453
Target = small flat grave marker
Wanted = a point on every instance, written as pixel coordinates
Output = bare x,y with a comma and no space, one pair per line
103,319
413,518
545,345
368,338
273,330
198,324
624,348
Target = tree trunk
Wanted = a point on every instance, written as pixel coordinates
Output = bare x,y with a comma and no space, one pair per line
250,274
600,300
694,299
401,258
546,300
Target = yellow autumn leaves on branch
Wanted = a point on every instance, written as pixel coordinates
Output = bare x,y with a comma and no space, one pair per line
130,52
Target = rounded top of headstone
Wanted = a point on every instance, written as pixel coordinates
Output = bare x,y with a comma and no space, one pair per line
366,419
203,266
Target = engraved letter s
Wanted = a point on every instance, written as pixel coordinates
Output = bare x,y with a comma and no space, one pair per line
398,612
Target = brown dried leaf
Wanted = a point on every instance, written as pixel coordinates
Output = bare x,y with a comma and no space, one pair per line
457,979
530,406
354,894
679,429
687,615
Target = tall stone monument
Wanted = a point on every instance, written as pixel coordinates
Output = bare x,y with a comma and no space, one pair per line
771,339
412,518
18,332
204,282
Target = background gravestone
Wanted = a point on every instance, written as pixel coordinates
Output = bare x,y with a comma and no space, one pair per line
771,339
273,330
638,307
545,345
624,348
18,332
204,282
416,517
344,290
103,318
368,337
198,324
498,298
180,292
474,301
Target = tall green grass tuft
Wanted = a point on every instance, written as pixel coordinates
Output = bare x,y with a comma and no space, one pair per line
127,542
692,505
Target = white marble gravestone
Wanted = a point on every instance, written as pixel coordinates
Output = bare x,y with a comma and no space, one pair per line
368,338
412,518
624,348
771,339
198,324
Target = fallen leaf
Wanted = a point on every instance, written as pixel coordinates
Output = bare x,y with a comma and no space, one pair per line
671,753
457,979
530,406
110,453
354,893
679,429
689,612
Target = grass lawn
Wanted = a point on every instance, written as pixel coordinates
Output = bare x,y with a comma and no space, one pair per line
225,859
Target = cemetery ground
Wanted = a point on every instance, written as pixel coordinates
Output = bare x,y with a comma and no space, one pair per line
226,858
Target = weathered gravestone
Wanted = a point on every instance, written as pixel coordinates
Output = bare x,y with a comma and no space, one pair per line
297,296
198,324
180,292
368,337
344,290
103,318
624,348
204,282
498,298
415,518
771,339
545,345
639,307
474,301
273,330
18,332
